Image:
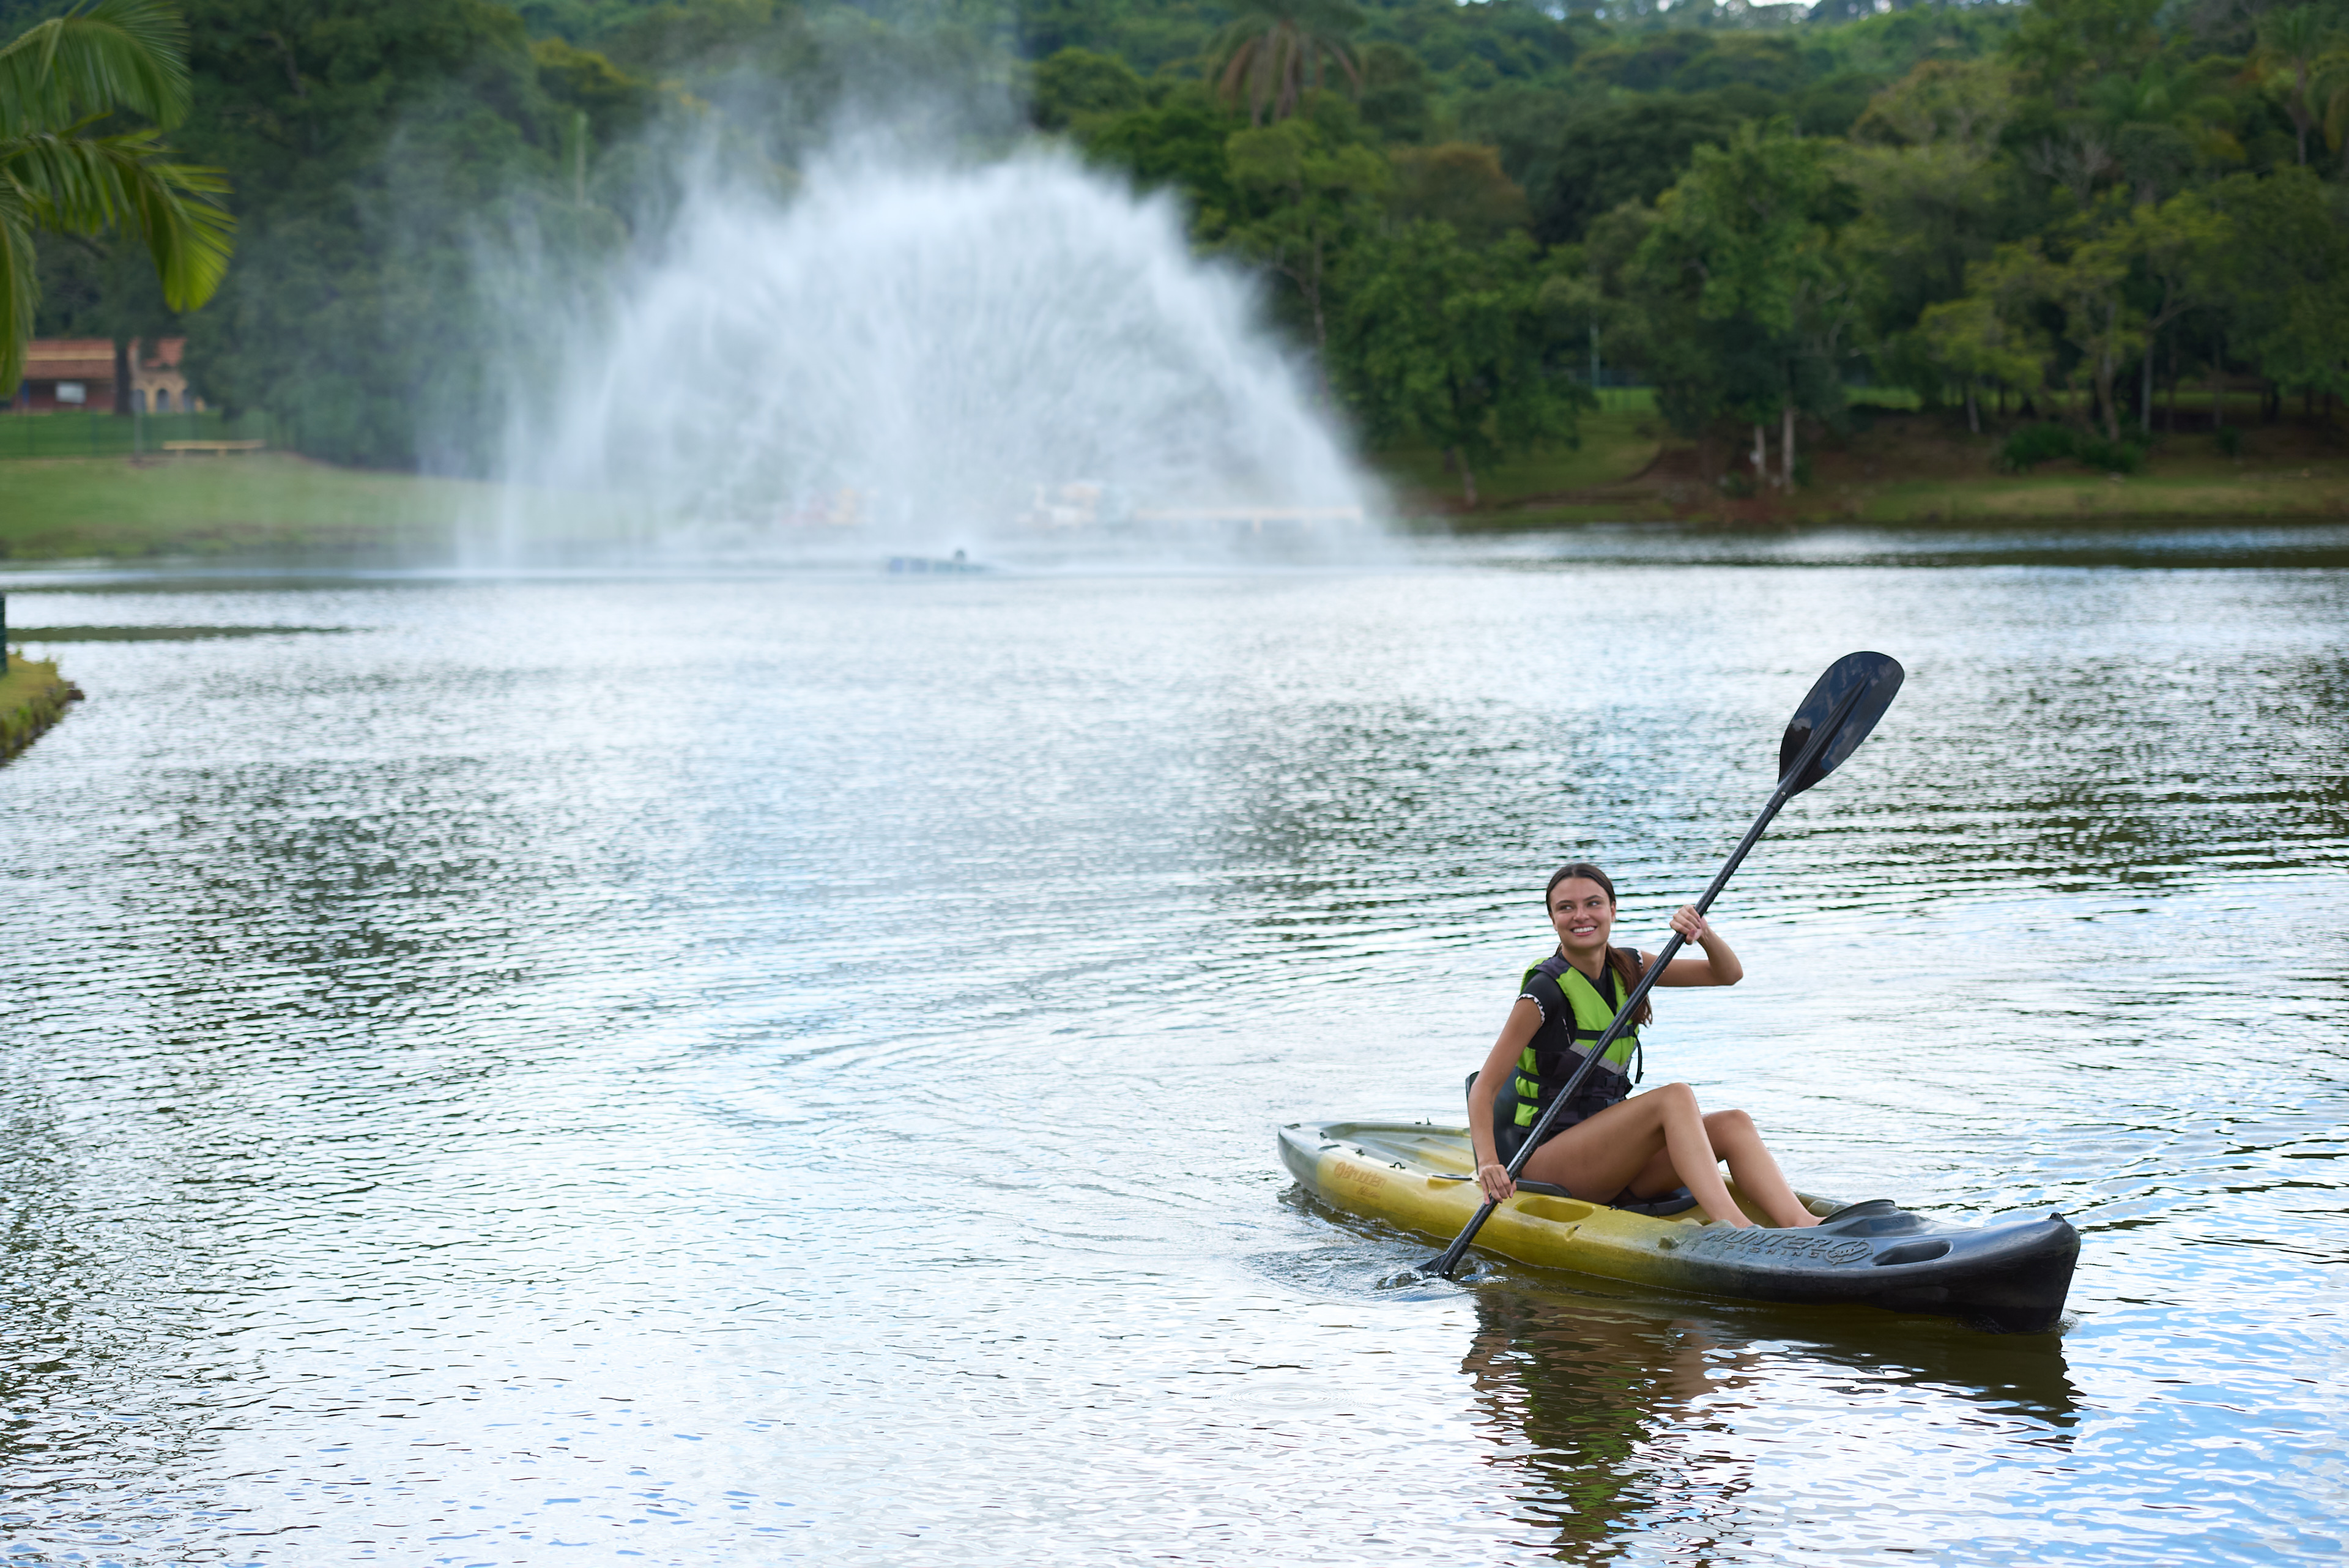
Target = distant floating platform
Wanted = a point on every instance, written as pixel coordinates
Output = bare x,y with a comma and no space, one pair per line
922,564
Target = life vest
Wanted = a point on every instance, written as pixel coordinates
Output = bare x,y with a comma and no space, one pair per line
1574,1015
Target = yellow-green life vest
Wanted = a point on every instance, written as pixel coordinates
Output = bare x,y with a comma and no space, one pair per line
1574,1015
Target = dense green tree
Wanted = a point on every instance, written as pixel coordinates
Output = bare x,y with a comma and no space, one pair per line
1605,154
1313,196
2174,248
1986,196
2292,41
1831,107
1075,83
1395,94
1890,45
1150,37
1459,183
2118,276
1934,196
2065,45
615,103
1181,141
62,173
1686,60
1474,49
2087,284
1974,343
379,151
2284,276
1454,345
1756,302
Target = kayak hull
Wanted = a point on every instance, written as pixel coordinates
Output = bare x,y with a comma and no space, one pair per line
2011,1277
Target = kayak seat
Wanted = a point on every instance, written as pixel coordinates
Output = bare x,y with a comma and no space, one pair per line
1679,1201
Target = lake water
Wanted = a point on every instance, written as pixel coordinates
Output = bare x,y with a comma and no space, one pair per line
783,1067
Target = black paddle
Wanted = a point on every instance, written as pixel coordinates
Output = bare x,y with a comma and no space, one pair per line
1842,708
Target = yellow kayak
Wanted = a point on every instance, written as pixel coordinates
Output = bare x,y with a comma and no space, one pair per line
2011,1277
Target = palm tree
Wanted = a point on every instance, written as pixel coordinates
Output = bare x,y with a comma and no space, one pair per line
1275,45
60,172
2329,89
2289,42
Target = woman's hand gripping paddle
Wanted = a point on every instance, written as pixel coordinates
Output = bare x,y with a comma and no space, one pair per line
1842,708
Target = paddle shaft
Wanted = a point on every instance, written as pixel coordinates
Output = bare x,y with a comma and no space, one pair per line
1623,1016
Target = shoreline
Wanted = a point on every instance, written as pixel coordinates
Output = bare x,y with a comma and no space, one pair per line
1902,473
1895,469
32,697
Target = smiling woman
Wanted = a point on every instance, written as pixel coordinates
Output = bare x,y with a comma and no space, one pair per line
1603,1145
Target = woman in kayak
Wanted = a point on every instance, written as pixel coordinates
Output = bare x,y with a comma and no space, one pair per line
1602,1146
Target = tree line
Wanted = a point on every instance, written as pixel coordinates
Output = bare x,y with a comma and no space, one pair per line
1466,215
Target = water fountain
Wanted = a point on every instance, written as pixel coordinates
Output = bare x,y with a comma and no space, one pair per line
1019,359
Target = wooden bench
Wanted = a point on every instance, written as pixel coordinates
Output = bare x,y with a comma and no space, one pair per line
214,446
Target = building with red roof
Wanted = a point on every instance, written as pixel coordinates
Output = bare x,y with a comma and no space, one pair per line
78,373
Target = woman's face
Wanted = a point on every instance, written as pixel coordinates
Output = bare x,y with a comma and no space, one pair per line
1582,914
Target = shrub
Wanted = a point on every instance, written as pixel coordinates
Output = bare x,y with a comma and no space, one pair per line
2229,439
2031,445
2112,456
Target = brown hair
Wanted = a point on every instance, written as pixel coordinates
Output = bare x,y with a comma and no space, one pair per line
1624,961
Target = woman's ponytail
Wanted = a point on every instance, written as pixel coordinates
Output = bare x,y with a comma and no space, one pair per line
1625,962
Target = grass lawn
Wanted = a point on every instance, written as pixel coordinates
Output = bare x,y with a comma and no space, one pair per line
27,679
1619,440
1930,469
1901,467
2320,491
53,508
32,698
67,433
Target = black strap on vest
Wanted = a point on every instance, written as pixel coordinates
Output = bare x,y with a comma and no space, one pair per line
1551,968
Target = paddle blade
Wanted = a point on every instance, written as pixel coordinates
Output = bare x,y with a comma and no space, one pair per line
1877,675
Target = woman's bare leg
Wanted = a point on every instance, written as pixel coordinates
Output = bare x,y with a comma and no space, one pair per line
1733,1137
1661,1140
1599,1158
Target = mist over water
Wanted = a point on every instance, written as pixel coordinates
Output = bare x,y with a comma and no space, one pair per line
1020,358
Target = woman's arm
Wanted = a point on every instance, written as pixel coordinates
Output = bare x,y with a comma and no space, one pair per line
1718,967
1525,1021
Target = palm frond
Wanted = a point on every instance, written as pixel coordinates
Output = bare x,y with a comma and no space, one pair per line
116,55
20,290
1274,49
73,184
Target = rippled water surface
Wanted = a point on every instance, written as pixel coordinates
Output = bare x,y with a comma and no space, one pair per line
783,1068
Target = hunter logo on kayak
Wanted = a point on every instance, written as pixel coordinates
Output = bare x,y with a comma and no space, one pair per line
1776,1244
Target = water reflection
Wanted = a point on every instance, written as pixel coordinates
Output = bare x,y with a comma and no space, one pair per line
1583,1399
1619,1420
2168,547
